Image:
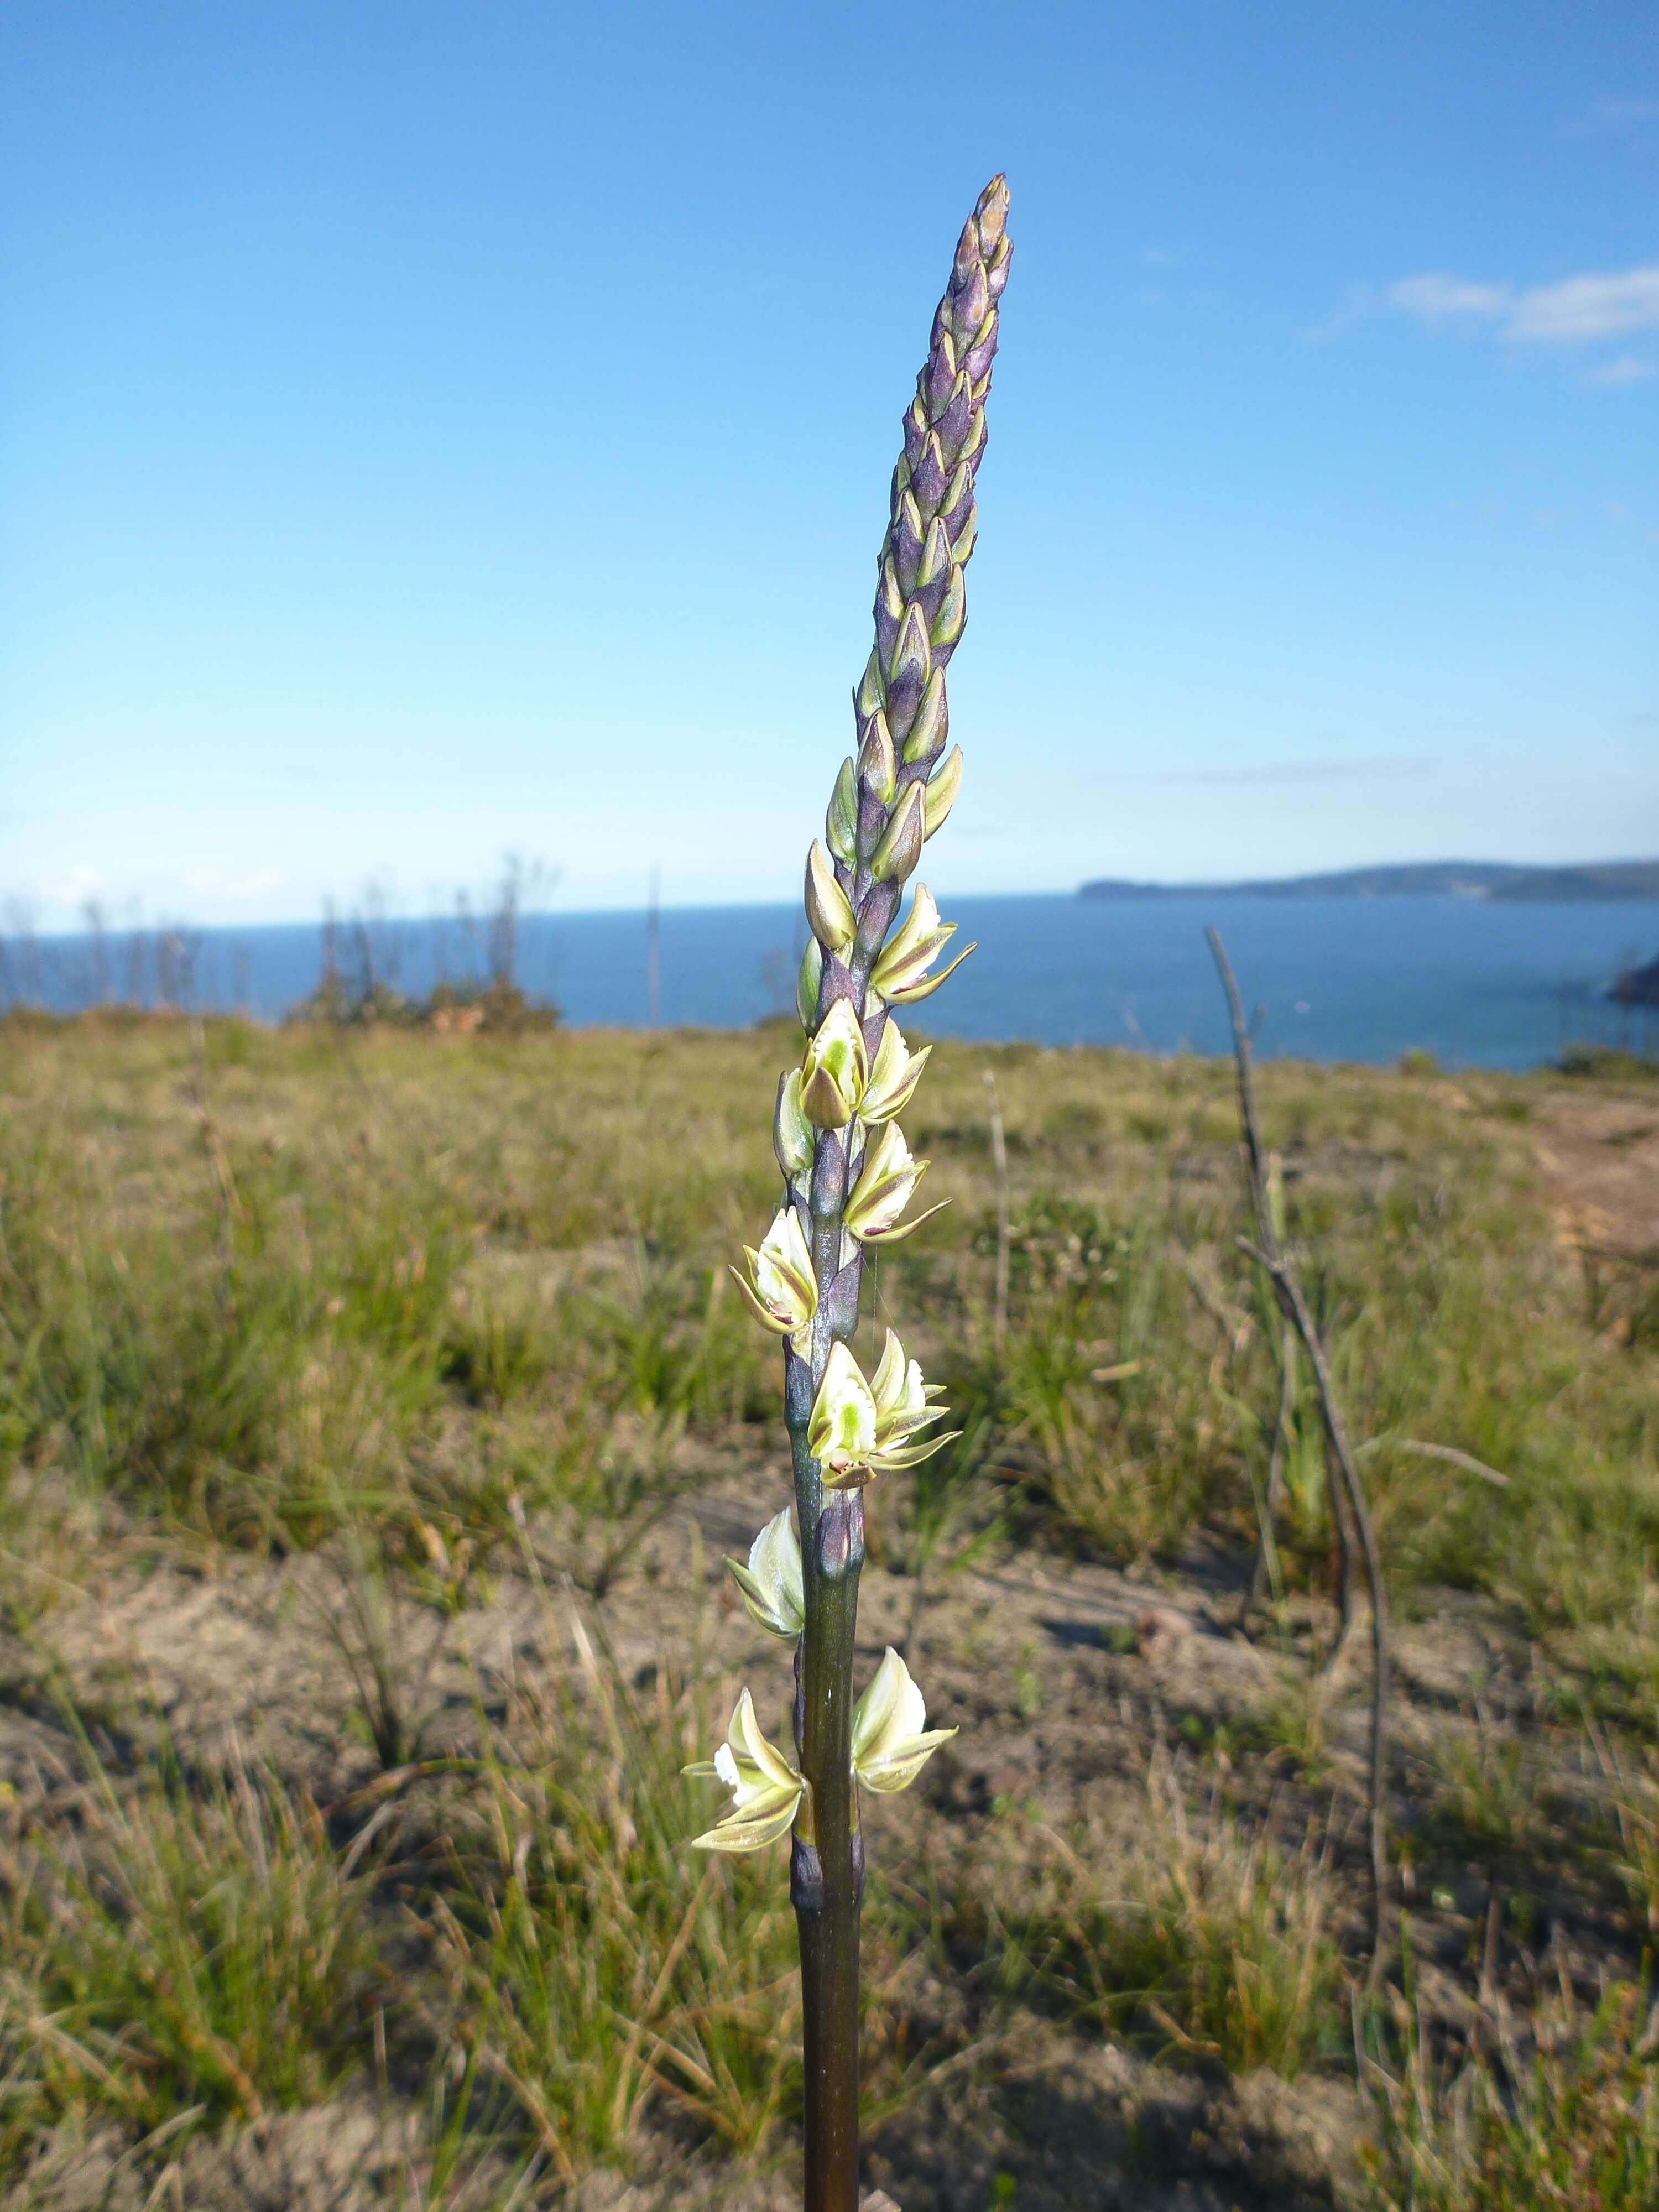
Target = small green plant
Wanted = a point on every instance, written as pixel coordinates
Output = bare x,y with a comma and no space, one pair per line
199,1951
1572,2126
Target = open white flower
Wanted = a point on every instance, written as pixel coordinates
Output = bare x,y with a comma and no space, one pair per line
886,1181
861,1429
891,1743
900,972
842,1433
781,1289
904,1407
771,1584
835,1069
766,1790
893,1077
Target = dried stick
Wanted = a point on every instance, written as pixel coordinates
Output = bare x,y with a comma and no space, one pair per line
1262,1206
999,1161
1287,1290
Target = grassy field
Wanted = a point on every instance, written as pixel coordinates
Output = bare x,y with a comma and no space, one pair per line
374,1412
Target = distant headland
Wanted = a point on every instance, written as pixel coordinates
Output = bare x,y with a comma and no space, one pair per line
1480,879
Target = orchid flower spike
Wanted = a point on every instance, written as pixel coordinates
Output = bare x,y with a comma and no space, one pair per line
891,1743
766,1790
771,1584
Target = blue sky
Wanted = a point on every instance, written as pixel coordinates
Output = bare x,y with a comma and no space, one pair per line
430,430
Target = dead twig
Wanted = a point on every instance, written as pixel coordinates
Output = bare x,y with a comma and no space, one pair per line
1449,1453
999,1161
1347,1489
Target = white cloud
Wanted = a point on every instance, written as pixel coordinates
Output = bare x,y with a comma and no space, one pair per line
1626,369
1574,311
1436,296
81,883
1594,307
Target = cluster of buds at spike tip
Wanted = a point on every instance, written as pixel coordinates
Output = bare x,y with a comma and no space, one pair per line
891,1744
859,1429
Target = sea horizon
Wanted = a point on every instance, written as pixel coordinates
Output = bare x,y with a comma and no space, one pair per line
1474,981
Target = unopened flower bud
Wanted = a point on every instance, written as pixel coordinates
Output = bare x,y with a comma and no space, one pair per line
773,1592
900,846
835,1069
939,795
840,823
828,910
807,980
928,730
877,764
794,1137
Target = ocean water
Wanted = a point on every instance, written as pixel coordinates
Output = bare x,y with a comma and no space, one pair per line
1475,983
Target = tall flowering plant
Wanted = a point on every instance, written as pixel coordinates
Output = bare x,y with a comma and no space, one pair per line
850,1177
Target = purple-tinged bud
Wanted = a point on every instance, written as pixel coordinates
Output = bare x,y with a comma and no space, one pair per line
810,976
841,820
907,542
828,910
957,502
963,544
939,375
996,269
935,557
890,613
895,858
877,764
952,425
928,479
973,446
953,614
932,722
991,214
969,303
871,695
976,361
939,796
908,672
915,430
834,1539
969,252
